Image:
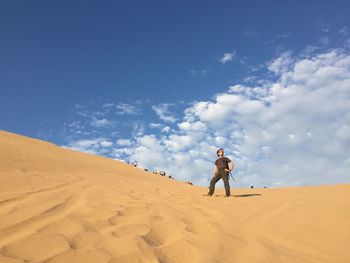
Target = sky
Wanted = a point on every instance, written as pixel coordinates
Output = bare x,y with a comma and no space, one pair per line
166,83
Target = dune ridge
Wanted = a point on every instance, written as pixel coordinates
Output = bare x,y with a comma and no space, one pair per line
58,205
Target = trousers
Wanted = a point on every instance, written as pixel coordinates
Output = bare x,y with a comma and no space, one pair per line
221,174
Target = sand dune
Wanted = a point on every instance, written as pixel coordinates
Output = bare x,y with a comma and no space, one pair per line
58,205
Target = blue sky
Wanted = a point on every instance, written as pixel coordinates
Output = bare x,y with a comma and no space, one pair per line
165,80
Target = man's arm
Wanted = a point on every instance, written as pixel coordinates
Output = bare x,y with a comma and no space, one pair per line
231,165
215,170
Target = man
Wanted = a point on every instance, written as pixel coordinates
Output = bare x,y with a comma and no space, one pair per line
223,166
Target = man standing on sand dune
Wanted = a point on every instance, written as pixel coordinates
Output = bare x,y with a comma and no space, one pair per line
223,166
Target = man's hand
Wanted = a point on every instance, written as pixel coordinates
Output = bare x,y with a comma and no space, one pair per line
227,170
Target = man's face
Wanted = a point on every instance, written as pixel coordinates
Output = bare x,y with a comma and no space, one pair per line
221,153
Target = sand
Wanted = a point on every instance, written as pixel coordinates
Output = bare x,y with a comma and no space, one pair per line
57,205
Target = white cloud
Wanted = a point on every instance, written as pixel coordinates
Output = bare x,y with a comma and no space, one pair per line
126,108
192,126
166,129
138,128
309,50
150,153
176,142
100,122
92,146
124,142
227,57
162,110
156,125
160,126
294,131
106,143
108,105
282,63
87,143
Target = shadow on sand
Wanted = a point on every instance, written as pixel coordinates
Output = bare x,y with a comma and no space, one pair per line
243,195
246,195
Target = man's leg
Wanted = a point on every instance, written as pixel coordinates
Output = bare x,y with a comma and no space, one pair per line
224,177
213,181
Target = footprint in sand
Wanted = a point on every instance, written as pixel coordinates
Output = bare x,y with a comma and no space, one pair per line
131,230
81,255
87,240
36,247
166,231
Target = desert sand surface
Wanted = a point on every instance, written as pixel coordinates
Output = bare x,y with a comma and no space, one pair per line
58,205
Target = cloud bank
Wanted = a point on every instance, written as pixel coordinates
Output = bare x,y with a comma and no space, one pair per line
292,131
288,129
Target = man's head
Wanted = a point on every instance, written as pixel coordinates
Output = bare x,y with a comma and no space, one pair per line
220,152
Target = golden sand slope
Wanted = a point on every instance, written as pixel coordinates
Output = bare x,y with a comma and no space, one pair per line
58,205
